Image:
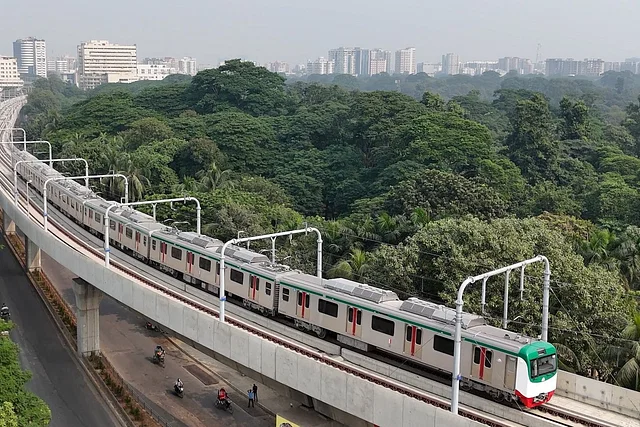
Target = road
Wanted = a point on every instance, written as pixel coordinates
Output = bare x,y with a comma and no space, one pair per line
129,346
58,377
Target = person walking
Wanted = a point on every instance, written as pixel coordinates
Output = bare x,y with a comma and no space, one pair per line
250,393
255,393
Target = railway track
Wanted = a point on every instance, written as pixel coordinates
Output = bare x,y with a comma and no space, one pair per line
476,415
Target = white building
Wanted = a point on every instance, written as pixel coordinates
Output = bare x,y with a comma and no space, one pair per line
187,65
377,66
320,66
344,59
101,62
9,75
31,54
379,55
62,65
406,61
278,67
154,71
451,64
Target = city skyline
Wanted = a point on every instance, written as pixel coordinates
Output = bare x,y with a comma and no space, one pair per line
282,31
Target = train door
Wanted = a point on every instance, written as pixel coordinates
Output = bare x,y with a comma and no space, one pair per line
137,241
354,322
120,230
254,287
302,308
163,251
510,373
190,261
482,362
413,341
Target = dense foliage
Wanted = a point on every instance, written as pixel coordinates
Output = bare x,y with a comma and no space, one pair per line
18,407
414,187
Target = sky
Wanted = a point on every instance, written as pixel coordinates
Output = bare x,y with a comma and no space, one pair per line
297,30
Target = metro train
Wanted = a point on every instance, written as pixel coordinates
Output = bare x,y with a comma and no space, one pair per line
506,365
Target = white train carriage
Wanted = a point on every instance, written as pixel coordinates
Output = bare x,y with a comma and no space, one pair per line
93,218
262,293
130,230
70,197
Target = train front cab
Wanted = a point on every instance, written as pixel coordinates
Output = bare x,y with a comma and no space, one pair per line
537,374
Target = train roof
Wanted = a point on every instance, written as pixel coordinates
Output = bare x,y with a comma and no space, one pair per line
135,216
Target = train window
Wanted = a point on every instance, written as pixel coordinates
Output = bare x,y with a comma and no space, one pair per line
419,336
359,317
285,294
409,333
350,314
153,244
129,233
381,325
112,225
257,284
144,241
487,359
300,298
476,356
218,268
443,345
327,307
86,211
176,253
205,264
77,207
511,364
237,276
267,289
98,217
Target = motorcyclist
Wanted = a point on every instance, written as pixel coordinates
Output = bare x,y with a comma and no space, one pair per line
223,397
4,310
179,384
159,352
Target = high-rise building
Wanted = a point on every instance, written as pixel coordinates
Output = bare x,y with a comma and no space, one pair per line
187,65
344,59
520,65
406,61
9,75
31,54
278,67
154,71
558,67
363,59
320,66
380,55
451,64
591,67
101,62
62,64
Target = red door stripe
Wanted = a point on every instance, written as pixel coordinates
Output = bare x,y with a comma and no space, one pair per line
413,340
483,355
253,281
304,297
353,324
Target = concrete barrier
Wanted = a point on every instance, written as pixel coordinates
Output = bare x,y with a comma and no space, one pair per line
598,393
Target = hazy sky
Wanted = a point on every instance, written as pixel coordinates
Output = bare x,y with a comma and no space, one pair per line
297,30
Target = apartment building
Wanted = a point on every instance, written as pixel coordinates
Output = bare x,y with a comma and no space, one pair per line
101,62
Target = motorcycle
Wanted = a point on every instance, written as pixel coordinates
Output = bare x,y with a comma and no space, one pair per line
158,358
5,315
226,404
151,326
179,390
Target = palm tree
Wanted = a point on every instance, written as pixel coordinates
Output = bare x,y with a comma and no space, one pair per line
353,268
188,185
629,375
389,227
136,176
627,254
73,144
599,249
213,177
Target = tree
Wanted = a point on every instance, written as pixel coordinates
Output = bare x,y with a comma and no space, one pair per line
443,194
238,84
577,121
354,268
146,131
629,374
196,155
213,177
531,144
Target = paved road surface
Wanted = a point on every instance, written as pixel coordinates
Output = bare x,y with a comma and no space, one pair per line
57,376
129,346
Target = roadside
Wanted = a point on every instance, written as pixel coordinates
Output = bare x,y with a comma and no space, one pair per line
129,345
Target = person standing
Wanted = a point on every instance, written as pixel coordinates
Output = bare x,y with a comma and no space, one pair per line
255,393
250,393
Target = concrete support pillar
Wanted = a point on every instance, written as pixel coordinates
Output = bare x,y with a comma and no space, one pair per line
87,316
32,252
8,225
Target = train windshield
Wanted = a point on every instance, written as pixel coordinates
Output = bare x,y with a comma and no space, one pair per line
543,365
